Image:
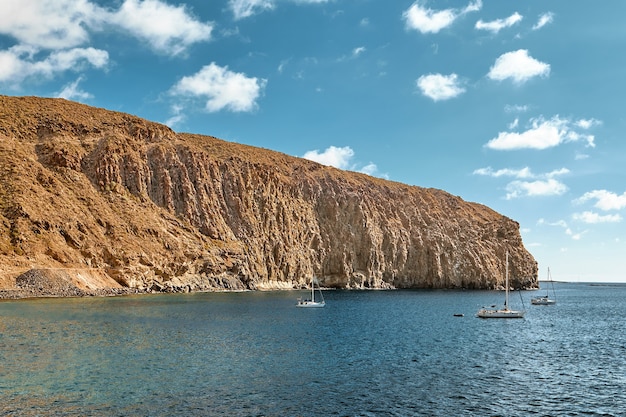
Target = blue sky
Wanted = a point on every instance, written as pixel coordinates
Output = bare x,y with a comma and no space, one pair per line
516,105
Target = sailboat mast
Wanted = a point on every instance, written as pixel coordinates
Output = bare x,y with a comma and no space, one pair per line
312,290
506,286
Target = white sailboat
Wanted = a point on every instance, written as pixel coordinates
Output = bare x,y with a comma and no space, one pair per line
545,300
303,302
504,313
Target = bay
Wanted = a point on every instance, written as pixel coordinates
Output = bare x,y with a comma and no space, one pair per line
367,353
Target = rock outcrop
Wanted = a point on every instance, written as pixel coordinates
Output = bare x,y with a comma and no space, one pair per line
87,189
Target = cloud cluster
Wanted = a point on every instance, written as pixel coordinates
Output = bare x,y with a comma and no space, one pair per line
545,133
51,35
563,224
517,66
604,200
528,184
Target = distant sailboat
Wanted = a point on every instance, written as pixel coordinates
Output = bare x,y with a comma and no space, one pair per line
312,303
545,300
504,313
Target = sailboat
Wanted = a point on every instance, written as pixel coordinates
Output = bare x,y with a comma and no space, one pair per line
303,302
545,300
504,313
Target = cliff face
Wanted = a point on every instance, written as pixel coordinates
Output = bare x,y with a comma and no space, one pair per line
117,197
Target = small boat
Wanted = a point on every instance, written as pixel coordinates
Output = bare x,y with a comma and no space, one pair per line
311,303
458,314
545,300
503,313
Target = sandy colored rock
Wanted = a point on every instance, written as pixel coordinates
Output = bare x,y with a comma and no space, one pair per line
87,189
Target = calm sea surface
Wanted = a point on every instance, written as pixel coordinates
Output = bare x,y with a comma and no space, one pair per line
368,353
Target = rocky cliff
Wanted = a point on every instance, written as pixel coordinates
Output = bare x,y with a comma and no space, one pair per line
115,201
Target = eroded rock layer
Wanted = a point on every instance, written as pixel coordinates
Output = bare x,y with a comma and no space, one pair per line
140,206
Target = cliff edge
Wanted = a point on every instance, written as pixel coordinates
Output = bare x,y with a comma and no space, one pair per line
118,202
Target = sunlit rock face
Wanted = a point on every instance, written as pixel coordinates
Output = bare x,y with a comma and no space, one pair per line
131,202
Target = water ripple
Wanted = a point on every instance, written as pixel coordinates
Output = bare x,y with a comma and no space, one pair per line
396,353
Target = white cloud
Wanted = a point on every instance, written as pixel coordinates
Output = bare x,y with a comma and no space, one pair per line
518,66
177,116
559,223
71,59
246,8
496,25
358,51
549,187
369,169
534,185
168,29
524,173
515,108
593,218
440,87
341,157
72,92
542,134
18,63
223,89
12,65
506,172
332,156
587,123
426,20
52,24
574,236
563,224
557,172
544,19
604,200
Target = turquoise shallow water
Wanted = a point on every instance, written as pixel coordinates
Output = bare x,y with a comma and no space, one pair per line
370,353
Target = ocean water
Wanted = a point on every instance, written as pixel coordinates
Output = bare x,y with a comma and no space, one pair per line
368,353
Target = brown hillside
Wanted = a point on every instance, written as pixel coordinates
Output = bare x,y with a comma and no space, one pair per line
112,200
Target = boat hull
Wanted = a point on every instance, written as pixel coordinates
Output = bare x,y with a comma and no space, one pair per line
311,304
542,301
500,314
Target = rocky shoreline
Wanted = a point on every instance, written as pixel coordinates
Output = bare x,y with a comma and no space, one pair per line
24,293
50,283
76,282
